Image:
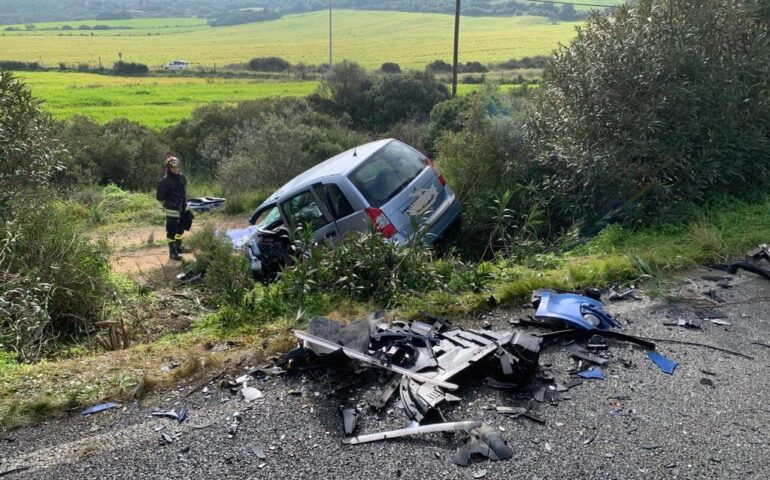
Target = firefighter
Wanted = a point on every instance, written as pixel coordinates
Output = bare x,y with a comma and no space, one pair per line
173,197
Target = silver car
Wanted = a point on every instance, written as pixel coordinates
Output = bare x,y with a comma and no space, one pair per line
385,184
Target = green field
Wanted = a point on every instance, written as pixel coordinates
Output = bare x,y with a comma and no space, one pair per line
153,101
370,38
156,102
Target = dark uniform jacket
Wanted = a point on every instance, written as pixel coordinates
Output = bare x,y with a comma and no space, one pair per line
172,192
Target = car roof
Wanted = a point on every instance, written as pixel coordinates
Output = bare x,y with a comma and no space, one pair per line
339,165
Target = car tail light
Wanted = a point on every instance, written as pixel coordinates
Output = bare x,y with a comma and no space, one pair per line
381,222
441,178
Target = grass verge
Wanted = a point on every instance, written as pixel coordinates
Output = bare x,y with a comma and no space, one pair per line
723,229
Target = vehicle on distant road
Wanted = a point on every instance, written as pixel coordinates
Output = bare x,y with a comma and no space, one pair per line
177,65
386,184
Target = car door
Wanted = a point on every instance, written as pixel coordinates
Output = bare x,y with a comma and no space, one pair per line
347,217
305,209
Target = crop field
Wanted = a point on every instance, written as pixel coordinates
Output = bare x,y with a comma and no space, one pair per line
369,38
156,102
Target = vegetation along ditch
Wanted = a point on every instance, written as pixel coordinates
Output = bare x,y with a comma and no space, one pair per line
582,181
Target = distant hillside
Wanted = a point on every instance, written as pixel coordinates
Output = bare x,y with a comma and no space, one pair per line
15,11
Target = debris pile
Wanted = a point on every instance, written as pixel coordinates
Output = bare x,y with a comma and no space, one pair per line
427,359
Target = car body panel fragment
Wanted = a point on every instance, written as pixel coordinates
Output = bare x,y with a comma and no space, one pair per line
405,432
577,311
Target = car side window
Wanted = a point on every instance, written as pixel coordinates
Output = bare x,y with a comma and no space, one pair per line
303,209
338,203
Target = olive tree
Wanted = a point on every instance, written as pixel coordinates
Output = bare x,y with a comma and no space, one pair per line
657,104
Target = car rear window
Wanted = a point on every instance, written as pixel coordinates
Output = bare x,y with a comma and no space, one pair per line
387,172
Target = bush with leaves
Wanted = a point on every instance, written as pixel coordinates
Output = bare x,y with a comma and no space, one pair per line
52,279
483,155
377,102
120,152
226,273
273,148
366,267
660,103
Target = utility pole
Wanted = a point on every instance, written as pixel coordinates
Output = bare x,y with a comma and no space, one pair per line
330,35
457,42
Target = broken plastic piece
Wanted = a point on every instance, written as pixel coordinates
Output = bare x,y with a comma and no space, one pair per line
578,352
233,428
666,365
517,411
250,393
259,452
577,311
723,323
594,373
169,414
350,419
404,432
313,340
166,438
99,408
485,441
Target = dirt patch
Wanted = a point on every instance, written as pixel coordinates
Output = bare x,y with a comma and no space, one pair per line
142,251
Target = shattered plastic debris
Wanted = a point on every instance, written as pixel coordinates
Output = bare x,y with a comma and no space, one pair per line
259,452
170,414
166,438
666,365
424,356
594,373
250,393
577,311
707,381
516,411
232,430
484,441
405,432
99,408
723,323
350,419
577,352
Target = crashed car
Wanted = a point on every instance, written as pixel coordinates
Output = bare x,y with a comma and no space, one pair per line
385,184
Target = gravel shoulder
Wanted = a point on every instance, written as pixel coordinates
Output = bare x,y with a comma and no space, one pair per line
638,423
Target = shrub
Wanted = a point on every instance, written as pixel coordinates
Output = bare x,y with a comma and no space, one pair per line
226,273
394,98
390,67
58,269
52,280
120,152
674,108
438,66
472,67
483,161
366,268
130,68
269,64
271,149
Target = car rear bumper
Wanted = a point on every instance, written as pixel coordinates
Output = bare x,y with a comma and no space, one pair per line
444,221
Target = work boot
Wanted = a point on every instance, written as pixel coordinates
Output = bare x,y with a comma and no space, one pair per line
173,254
179,248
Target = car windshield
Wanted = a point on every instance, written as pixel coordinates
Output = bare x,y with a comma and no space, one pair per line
387,172
269,219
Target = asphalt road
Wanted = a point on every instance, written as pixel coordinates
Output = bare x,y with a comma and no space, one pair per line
638,423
